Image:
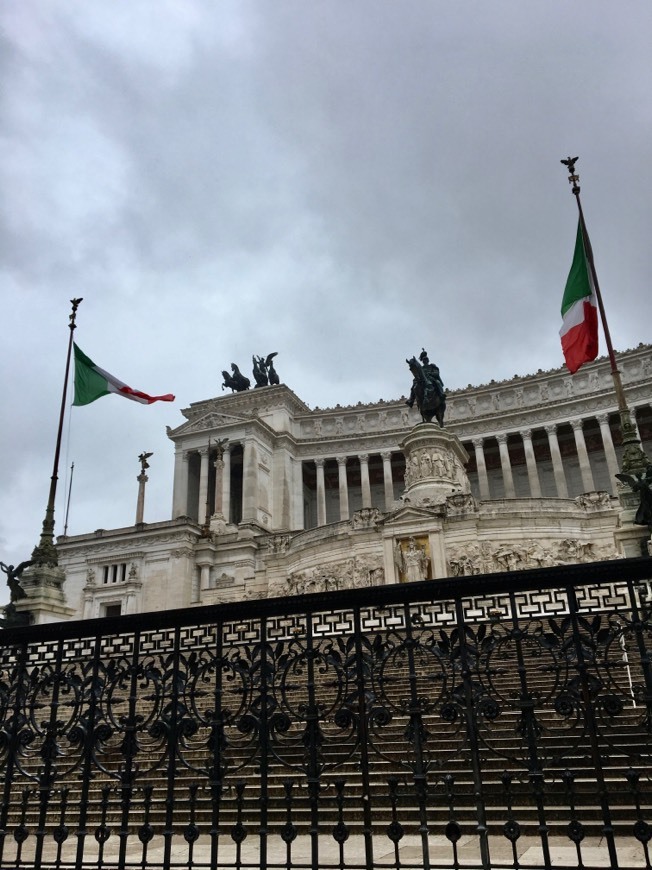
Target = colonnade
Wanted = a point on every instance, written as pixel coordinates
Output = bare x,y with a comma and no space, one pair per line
219,466
559,468
528,462
344,489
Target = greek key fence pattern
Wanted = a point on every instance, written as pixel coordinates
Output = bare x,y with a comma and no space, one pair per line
370,728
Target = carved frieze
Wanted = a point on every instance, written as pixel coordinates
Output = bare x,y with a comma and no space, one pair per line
354,573
487,558
432,463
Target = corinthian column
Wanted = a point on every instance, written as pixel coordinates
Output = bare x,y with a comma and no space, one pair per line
343,486
483,480
387,479
557,465
180,495
582,454
226,484
364,480
609,450
321,493
219,486
531,462
203,485
506,466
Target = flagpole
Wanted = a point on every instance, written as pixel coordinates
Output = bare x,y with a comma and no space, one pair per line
45,552
634,458
65,522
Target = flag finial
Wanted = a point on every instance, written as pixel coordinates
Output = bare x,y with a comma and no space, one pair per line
572,177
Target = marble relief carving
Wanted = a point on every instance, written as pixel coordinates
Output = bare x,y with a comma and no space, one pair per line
427,462
355,573
486,558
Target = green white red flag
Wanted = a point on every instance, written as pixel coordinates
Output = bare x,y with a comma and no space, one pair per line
579,311
92,382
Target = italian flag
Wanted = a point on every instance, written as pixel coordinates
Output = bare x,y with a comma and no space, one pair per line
579,329
92,382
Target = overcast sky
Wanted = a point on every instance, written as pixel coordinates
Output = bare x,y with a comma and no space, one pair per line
341,182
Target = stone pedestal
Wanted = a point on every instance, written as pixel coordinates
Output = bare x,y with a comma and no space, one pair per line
45,601
434,466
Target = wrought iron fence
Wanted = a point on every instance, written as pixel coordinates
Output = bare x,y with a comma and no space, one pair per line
494,721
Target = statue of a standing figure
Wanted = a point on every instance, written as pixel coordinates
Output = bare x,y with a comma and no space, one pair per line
13,577
642,484
427,389
412,562
264,371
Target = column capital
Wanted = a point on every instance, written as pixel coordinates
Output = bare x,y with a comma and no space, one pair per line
341,460
203,451
478,443
603,419
501,438
363,457
319,462
386,455
551,428
577,424
526,433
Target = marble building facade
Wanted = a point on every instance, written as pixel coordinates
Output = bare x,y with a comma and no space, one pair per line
271,497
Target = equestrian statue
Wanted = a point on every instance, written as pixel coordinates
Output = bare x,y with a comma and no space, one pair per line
427,389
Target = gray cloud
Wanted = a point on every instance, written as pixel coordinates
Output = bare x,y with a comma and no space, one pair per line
343,183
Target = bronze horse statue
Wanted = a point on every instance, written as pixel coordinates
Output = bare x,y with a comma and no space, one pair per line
427,392
237,381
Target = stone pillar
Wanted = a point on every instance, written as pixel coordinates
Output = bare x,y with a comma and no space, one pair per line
364,480
557,465
298,518
530,461
609,450
180,495
249,482
218,465
387,478
203,485
506,466
205,577
483,480
583,456
343,487
226,484
321,493
140,504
